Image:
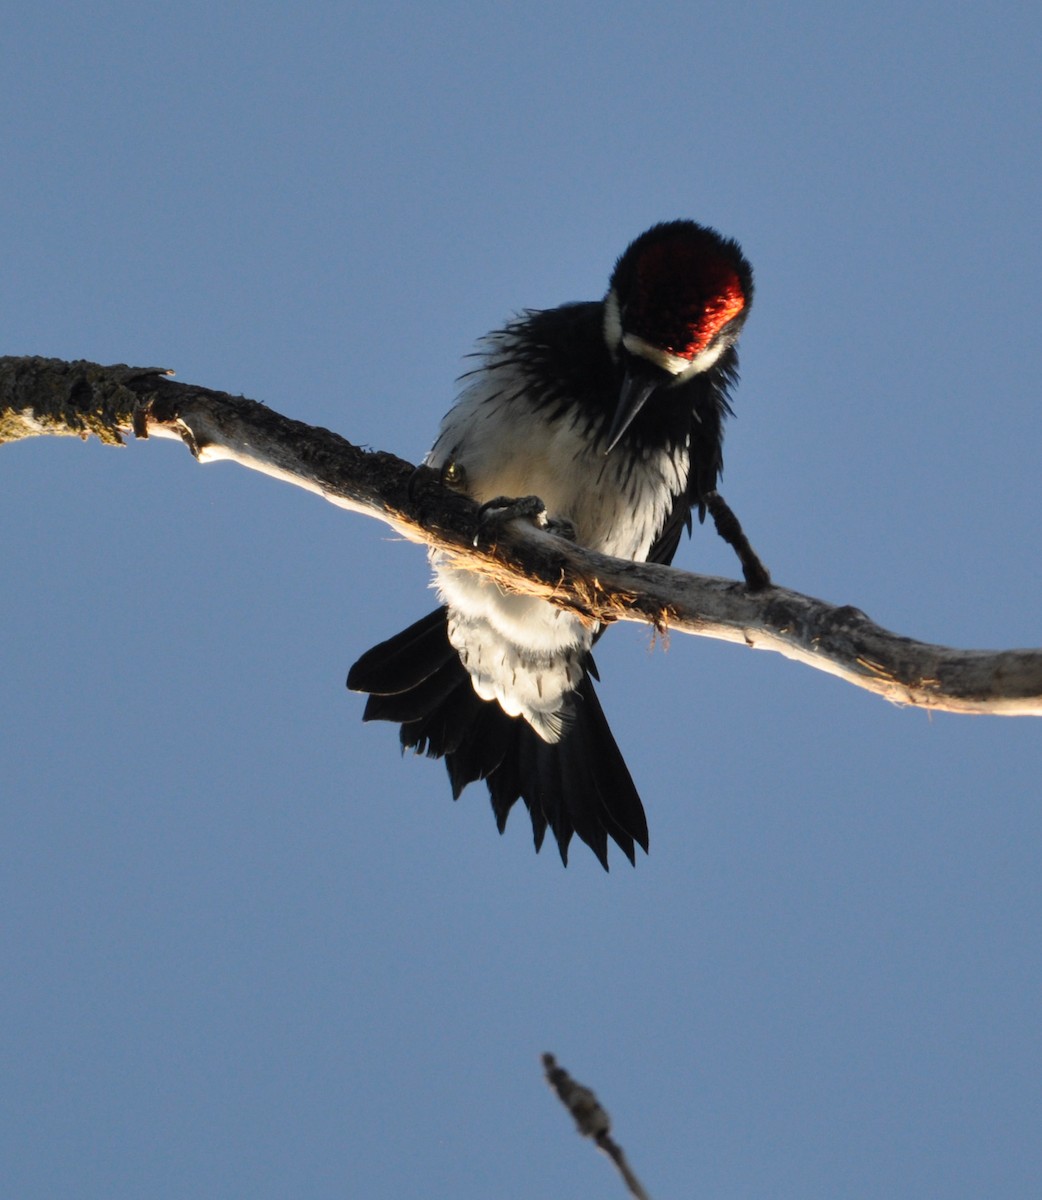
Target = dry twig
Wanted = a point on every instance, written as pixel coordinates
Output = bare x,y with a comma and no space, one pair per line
591,1120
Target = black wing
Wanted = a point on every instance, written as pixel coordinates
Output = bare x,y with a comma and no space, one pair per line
705,397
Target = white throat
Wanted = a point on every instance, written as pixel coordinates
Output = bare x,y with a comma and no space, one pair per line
677,365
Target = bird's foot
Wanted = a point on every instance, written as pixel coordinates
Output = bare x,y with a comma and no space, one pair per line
561,527
421,475
451,475
757,577
424,483
493,515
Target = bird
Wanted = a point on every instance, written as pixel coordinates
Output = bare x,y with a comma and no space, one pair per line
611,412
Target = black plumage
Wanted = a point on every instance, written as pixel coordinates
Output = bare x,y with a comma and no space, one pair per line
612,412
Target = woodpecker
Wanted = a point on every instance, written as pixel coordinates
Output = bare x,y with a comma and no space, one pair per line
611,413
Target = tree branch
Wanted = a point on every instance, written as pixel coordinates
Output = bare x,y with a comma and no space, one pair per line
48,396
591,1120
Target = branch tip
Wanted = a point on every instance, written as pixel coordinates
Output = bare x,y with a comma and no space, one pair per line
590,1118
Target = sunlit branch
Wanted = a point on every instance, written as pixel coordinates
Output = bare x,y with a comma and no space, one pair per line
52,397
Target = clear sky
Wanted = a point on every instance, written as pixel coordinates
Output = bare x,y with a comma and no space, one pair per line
248,950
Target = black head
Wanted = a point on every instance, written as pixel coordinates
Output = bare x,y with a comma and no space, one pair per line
677,301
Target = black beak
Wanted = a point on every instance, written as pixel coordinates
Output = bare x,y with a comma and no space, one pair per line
641,380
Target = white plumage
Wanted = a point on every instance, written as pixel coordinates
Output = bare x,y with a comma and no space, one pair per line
519,650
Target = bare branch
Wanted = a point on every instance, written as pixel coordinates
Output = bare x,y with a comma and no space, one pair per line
591,1120
49,396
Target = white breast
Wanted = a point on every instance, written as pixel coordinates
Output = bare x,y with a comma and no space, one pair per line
508,446
519,650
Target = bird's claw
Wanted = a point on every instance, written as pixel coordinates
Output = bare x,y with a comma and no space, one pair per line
757,577
421,475
494,514
451,475
424,483
561,527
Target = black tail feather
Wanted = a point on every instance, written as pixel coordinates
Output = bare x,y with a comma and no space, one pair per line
619,799
496,739
445,728
405,660
580,785
417,702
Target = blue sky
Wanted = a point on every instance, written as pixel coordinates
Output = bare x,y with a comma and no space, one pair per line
247,949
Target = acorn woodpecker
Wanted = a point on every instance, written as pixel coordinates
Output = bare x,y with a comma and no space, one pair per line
611,412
